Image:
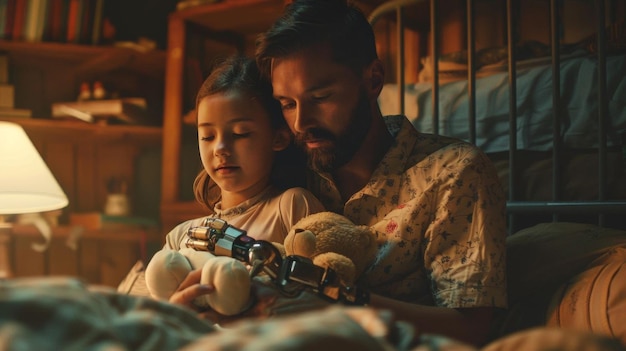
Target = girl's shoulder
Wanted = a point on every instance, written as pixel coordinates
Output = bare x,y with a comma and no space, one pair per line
301,200
297,191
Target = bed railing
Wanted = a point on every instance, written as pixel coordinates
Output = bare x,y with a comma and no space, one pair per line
599,207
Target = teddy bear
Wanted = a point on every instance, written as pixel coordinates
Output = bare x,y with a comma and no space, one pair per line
328,239
230,277
333,241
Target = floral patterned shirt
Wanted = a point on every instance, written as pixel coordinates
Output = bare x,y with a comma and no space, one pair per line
438,208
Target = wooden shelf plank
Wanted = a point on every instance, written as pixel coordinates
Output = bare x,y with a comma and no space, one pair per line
241,16
117,232
66,128
151,61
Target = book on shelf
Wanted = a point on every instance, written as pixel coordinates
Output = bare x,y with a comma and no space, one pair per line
34,20
56,21
127,110
18,19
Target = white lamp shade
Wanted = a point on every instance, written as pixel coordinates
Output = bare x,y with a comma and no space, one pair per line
26,183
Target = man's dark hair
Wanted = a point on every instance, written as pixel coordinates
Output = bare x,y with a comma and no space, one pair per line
305,23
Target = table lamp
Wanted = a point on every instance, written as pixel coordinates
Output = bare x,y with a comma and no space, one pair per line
26,183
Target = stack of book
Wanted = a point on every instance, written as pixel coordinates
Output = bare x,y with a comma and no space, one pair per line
68,21
126,110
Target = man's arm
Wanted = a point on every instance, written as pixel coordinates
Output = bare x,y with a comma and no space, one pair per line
469,325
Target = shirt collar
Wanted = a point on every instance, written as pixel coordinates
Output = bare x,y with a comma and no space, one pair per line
393,163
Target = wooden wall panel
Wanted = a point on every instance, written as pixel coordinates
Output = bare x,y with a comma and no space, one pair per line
89,262
61,159
25,261
86,198
117,259
101,257
62,259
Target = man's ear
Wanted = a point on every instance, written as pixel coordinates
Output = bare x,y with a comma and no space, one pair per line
282,139
374,78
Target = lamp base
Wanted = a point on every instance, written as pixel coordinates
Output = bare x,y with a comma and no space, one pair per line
5,239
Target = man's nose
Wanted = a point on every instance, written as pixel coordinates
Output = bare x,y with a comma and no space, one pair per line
304,119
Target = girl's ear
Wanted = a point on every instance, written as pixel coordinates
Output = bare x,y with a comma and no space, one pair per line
282,139
374,78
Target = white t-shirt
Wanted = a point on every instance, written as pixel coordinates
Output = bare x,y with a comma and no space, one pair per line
267,216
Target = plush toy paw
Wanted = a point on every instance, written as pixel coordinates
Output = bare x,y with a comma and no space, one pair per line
230,277
343,266
231,280
164,273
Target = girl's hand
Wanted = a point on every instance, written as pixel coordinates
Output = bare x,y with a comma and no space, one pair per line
261,300
266,300
190,289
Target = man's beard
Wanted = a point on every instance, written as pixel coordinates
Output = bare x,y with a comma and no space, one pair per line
342,148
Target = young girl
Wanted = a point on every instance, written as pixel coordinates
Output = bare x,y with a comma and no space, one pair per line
248,158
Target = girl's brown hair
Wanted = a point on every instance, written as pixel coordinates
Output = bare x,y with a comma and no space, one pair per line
240,73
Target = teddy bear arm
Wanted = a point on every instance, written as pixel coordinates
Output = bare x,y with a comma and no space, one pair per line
342,265
232,283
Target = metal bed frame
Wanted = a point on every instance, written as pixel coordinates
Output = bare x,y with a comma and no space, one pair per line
600,207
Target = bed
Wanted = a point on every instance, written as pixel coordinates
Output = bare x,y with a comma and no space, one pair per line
564,163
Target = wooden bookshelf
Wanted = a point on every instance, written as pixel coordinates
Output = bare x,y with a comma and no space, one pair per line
88,57
43,73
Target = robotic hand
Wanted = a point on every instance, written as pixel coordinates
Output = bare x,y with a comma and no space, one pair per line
218,237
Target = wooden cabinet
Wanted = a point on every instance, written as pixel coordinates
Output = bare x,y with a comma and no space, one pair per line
229,25
102,256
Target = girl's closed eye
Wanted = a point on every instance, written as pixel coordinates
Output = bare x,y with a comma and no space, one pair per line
242,135
208,138
242,130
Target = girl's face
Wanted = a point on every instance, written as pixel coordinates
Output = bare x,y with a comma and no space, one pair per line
237,144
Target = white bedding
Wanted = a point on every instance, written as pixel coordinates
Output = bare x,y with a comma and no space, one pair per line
579,86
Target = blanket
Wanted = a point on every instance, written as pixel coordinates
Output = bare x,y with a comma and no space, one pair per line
66,314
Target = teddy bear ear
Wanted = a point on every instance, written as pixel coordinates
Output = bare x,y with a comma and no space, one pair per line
300,242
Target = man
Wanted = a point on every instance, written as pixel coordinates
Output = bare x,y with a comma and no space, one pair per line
435,202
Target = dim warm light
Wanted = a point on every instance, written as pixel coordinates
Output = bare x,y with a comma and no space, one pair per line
26,183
